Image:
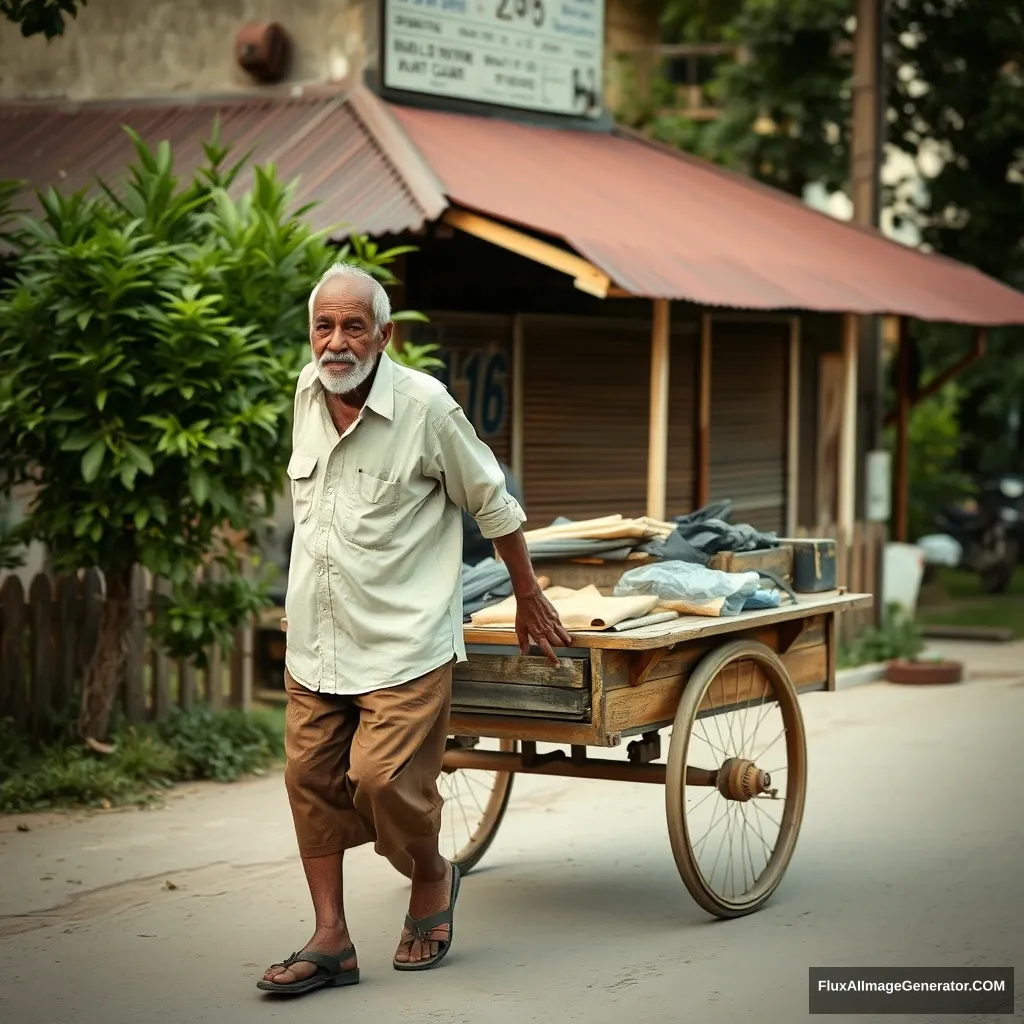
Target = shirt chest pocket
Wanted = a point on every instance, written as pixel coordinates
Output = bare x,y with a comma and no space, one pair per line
371,512
302,473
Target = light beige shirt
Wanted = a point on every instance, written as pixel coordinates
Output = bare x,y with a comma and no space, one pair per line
375,580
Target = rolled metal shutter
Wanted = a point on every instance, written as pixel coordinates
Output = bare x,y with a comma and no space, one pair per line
586,412
748,420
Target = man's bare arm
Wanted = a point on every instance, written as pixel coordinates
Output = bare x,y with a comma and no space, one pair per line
536,619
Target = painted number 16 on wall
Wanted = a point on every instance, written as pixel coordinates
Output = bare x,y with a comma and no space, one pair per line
479,380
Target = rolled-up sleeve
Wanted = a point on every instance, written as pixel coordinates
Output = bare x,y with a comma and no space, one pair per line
472,477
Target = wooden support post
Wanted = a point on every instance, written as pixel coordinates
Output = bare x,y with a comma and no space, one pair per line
704,413
657,444
848,441
518,400
901,487
793,432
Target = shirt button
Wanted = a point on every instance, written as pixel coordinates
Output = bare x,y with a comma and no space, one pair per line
330,490
319,570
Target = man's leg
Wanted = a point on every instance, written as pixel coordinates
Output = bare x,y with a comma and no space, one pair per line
431,890
326,888
396,759
318,738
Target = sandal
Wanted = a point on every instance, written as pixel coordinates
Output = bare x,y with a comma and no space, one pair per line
421,930
328,972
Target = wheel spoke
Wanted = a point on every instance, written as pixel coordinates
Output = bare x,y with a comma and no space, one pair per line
710,830
721,846
710,793
707,739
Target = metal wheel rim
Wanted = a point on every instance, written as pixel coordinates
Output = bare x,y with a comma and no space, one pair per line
469,791
796,752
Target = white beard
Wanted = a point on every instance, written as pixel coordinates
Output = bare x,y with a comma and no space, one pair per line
343,384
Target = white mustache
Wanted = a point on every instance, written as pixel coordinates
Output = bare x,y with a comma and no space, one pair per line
341,357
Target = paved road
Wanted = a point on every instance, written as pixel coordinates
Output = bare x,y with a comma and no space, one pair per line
911,854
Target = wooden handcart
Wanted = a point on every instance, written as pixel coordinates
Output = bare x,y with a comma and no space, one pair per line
735,775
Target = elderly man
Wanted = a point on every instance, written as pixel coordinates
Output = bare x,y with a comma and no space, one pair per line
383,462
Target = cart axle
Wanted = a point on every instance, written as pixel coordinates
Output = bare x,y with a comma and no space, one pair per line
740,779
557,763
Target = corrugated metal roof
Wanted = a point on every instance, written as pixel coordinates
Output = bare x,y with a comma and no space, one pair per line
327,142
665,225
661,224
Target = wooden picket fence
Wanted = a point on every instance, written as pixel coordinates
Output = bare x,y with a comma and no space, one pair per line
859,570
48,635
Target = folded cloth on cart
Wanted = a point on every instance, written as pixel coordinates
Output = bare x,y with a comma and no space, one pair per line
700,535
692,589
586,609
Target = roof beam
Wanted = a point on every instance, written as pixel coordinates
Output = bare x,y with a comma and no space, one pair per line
585,275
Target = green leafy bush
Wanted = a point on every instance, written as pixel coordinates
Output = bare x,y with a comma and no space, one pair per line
151,336
220,746
898,637
189,745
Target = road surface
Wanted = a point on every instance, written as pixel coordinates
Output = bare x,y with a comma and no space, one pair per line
911,854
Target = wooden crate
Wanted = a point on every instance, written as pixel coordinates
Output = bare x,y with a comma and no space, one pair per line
778,561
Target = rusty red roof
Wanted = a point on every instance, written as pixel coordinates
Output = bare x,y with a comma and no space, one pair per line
663,224
332,143
659,223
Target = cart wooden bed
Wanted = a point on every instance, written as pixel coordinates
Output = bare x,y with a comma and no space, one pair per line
726,687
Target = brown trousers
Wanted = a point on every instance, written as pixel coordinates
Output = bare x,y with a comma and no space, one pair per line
364,769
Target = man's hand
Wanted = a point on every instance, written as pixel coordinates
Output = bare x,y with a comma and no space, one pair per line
537,620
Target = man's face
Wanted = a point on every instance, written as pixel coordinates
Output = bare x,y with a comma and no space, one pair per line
346,342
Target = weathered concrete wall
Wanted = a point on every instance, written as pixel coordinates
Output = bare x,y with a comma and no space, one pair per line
128,48
122,48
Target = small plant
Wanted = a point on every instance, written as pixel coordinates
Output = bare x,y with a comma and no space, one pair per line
147,759
415,357
898,638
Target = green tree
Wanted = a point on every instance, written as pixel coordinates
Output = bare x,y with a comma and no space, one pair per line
955,101
956,104
785,104
151,338
41,17
933,471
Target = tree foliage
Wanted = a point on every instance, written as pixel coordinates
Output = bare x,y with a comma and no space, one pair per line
956,105
785,105
41,17
151,338
955,99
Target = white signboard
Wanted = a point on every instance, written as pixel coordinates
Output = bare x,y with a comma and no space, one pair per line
543,55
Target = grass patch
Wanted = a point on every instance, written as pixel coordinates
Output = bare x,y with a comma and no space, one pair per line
959,585
186,746
955,598
990,612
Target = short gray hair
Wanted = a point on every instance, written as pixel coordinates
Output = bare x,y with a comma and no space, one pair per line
380,304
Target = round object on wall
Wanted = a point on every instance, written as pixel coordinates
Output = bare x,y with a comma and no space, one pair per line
263,48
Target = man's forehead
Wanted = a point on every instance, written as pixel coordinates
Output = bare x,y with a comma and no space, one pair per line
343,290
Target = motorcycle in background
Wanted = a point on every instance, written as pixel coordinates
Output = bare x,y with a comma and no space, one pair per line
987,534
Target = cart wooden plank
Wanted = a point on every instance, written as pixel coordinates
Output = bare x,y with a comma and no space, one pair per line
684,629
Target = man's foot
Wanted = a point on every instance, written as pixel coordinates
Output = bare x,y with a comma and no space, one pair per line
429,896
330,942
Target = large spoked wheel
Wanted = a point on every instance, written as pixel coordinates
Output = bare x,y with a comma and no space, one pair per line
733,840
474,804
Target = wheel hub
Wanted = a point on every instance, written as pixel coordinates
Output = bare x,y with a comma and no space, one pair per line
740,779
